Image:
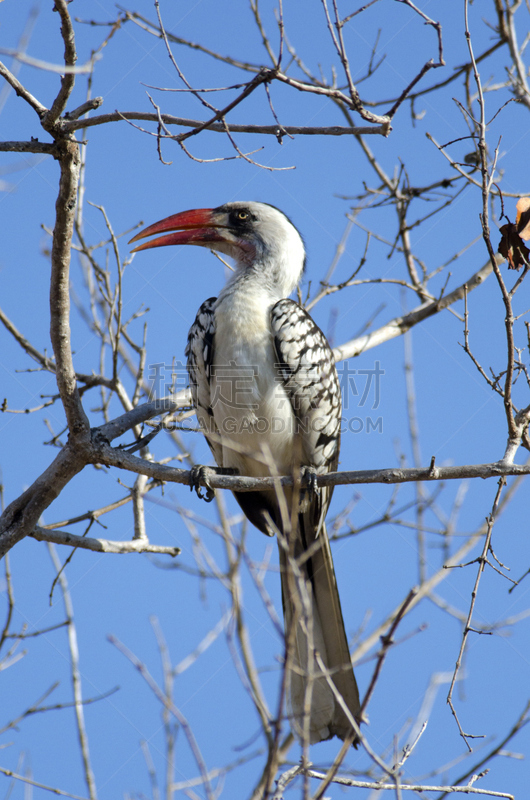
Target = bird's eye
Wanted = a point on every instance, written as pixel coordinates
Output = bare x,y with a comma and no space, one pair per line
242,215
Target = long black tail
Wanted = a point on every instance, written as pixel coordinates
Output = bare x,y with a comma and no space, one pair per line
313,621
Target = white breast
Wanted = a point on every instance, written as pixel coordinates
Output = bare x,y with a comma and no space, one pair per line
252,411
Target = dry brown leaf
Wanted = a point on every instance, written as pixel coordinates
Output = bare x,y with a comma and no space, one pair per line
511,245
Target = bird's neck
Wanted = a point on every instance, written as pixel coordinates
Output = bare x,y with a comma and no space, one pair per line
270,278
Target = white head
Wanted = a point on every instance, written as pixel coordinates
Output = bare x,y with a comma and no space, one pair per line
260,239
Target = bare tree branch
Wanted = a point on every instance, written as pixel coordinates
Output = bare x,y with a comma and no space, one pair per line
100,545
217,127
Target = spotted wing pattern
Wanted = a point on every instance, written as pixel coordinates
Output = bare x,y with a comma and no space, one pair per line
307,368
200,353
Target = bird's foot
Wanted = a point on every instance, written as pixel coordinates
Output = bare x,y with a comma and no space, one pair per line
199,478
309,481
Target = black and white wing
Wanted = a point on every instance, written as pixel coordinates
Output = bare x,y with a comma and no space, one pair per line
200,353
307,368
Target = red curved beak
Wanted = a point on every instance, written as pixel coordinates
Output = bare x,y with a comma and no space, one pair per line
197,226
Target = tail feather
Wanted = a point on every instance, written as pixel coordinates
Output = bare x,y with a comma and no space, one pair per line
311,604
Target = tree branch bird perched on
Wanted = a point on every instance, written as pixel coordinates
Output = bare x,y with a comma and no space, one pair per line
267,396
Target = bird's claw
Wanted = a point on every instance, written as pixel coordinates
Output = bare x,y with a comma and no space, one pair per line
309,480
199,477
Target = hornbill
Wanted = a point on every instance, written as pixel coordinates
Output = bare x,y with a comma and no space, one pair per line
267,397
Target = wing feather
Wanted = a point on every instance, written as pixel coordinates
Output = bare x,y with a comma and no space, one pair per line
307,368
200,354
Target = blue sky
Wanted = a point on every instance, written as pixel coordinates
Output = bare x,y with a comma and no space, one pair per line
460,419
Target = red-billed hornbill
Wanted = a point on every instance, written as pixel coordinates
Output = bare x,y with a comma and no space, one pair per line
267,396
